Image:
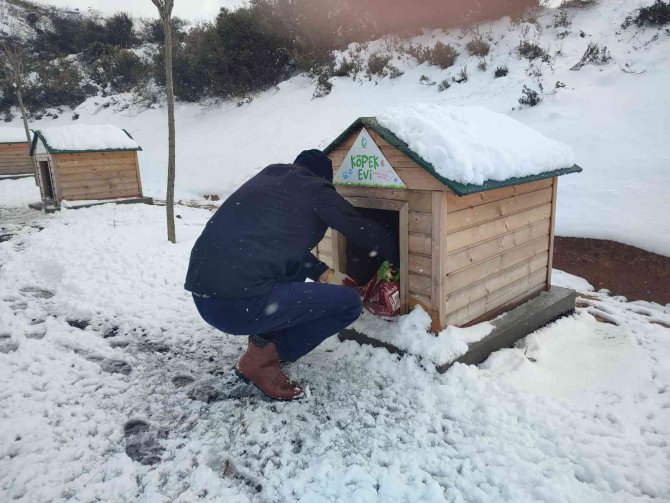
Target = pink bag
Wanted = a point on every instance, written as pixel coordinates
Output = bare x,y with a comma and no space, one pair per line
381,295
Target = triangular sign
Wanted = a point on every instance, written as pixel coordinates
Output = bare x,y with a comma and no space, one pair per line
366,166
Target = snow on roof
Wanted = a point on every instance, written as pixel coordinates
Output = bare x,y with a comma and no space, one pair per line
472,144
86,138
12,135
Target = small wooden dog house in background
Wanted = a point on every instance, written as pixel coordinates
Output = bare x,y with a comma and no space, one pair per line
14,153
86,163
468,251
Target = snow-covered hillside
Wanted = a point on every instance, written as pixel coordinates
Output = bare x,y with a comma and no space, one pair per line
615,116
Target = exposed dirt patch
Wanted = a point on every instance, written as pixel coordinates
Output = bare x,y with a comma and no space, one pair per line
624,270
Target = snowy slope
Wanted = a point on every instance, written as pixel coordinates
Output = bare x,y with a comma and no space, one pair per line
578,412
615,121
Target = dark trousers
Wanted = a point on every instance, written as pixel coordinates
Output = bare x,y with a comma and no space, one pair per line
297,317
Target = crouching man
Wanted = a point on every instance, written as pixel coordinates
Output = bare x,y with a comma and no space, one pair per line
248,268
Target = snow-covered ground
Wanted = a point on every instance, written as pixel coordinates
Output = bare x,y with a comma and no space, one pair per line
579,411
616,121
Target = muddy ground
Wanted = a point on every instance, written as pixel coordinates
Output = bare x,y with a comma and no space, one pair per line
624,270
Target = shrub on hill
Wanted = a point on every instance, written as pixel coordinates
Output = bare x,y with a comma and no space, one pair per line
478,47
60,83
561,20
529,97
348,67
657,14
501,71
441,54
531,50
377,63
578,4
109,65
152,31
461,76
119,30
71,33
594,55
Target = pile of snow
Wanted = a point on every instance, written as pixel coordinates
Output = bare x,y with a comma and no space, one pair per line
12,135
83,138
18,194
411,333
473,144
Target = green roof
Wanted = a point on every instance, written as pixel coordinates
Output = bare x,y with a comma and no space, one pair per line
461,189
38,135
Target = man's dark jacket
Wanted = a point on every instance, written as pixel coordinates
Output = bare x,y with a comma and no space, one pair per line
263,233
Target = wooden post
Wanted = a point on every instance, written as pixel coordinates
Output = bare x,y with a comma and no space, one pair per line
339,251
439,258
552,227
165,11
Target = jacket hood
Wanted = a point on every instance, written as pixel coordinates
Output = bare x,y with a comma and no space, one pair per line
317,162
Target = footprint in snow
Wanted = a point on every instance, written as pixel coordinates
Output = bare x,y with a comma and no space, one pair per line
111,332
154,347
19,306
37,293
182,380
116,366
142,442
36,334
205,393
7,345
232,387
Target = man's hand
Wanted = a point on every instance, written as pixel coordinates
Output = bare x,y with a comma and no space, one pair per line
333,277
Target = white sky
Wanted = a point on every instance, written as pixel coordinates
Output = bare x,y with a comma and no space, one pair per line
192,10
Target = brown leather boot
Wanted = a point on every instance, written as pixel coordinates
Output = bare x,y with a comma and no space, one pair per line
260,367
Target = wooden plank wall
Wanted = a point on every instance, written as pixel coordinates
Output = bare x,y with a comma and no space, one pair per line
15,159
97,175
498,245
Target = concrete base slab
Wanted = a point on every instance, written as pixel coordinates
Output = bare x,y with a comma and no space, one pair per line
50,208
509,328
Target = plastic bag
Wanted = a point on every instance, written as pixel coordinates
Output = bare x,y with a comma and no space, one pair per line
381,295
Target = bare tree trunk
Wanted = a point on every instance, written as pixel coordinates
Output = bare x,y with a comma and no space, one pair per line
165,12
169,90
24,116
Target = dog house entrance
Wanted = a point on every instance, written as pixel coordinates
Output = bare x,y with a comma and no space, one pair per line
356,261
361,266
45,175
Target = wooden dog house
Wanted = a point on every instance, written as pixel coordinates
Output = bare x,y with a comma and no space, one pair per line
14,153
82,163
467,252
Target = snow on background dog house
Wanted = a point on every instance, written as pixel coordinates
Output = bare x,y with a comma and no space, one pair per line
85,162
480,190
14,156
